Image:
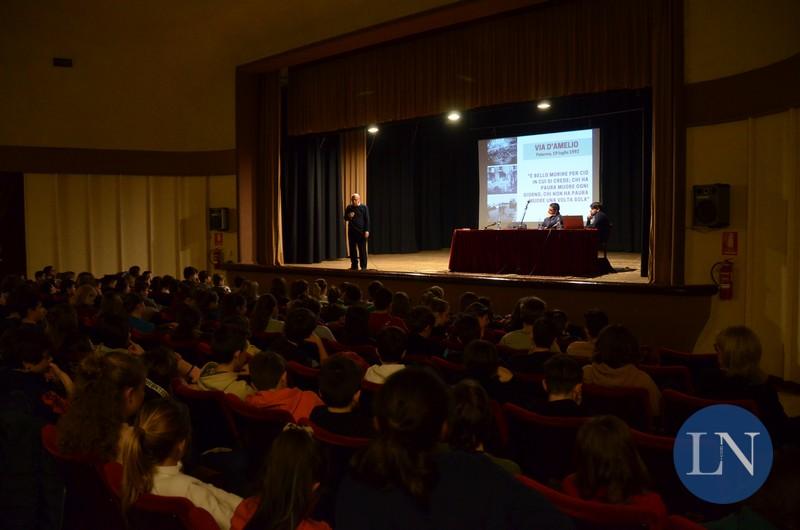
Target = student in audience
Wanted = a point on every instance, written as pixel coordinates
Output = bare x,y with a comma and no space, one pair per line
263,318
229,347
595,320
162,367
466,299
62,328
191,275
563,379
739,350
530,310
340,389
233,304
356,327
544,337
421,321
29,379
403,480
114,334
381,315
616,352
204,278
441,312
280,290
466,329
288,493
297,289
391,350
304,346
351,294
135,308
188,319
250,291
335,309
482,364
473,426
268,374
372,289
401,306
208,305
313,305
151,454
141,286
608,467
483,314
322,284
85,301
109,389
25,302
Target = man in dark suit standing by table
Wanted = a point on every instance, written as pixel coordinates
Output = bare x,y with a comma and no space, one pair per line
357,217
599,220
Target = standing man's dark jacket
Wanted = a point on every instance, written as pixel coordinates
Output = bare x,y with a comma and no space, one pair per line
359,223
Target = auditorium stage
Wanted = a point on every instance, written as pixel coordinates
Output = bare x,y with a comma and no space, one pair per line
434,263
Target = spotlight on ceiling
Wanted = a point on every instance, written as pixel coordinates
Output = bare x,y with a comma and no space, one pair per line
454,115
372,129
543,105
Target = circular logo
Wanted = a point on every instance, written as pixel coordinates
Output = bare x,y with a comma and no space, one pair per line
723,454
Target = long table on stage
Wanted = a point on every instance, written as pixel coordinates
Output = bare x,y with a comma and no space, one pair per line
529,252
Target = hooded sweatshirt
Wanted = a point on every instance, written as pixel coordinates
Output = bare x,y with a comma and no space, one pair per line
299,403
627,375
379,373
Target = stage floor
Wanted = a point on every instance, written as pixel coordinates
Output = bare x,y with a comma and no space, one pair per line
627,265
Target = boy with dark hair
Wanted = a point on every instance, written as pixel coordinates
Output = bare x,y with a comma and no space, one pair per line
381,315
113,333
351,294
595,320
134,306
190,275
268,374
466,329
304,345
340,388
421,321
544,335
522,339
563,379
229,348
391,349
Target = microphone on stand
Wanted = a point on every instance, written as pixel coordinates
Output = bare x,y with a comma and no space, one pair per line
524,213
490,225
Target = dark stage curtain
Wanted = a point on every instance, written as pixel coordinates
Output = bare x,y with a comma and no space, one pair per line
422,175
312,199
422,184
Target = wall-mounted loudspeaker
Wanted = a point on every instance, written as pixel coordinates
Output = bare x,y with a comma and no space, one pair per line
711,205
218,219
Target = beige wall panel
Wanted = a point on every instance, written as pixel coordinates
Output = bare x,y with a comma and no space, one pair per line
74,195
222,194
40,222
727,37
135,222
193,225
104,212
164,216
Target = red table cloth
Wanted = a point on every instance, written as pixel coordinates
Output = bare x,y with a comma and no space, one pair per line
529,252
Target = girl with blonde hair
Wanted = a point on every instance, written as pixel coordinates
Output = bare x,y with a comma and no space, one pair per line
151,454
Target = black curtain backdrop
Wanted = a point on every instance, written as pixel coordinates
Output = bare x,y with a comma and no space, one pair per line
312,199
422,175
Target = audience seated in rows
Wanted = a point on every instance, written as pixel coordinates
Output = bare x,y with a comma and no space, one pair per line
381,316
340,390
403,479
268,374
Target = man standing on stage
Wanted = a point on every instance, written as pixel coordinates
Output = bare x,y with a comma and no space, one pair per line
357,217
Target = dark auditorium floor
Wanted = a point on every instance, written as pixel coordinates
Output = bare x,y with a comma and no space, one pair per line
627,265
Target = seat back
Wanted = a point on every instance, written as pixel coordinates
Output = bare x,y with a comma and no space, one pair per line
303,377
88,503
450,371
145,340
676,377
337,451
211,425
257,428
593,515
679,406
702,366
630,404
262,340
541,445
154,512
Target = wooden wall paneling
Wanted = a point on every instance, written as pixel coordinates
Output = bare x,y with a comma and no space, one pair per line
73,218
40,223
193,222
134,222
105,218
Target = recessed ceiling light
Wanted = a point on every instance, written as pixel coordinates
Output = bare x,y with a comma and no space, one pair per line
372,129
454,115
543,105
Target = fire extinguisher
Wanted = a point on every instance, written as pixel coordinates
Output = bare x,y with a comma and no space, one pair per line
724,278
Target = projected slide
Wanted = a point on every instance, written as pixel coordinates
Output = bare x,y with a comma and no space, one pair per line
536,170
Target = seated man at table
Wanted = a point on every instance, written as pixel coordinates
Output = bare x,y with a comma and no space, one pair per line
553,219
599,220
